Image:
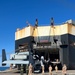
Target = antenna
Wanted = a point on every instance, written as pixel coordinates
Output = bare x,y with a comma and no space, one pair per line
36,23
52,21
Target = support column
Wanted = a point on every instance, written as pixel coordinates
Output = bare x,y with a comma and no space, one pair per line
21,69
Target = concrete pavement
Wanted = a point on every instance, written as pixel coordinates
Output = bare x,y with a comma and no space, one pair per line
69,72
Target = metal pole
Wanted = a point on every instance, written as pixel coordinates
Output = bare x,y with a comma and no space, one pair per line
21,69
27,69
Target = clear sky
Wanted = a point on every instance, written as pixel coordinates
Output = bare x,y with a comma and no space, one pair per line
15,13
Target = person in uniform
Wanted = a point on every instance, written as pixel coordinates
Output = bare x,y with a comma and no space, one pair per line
42,69
30,69
64,69
56,68
50,70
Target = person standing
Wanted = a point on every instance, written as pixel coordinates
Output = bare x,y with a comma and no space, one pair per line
42,69
56,68
50,70
64,69
30,69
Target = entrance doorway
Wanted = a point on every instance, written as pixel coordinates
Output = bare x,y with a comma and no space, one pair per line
51,54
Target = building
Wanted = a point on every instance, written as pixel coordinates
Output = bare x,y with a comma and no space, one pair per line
51,41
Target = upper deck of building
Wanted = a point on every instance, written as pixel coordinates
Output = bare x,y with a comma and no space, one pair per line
66,28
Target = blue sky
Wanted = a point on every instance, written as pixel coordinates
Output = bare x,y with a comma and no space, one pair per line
15,13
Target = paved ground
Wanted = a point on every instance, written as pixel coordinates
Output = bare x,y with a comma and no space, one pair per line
69,72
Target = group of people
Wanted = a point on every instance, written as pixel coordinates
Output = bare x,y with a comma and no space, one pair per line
64,69
49,67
